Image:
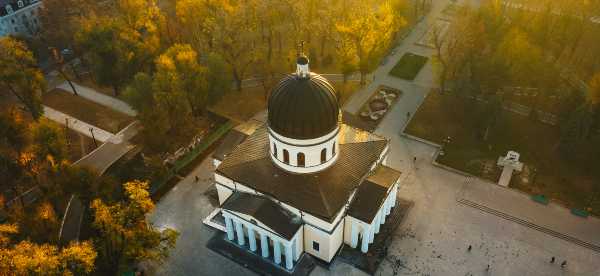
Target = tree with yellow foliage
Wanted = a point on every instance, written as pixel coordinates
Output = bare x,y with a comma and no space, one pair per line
28,258
119,47
368,30
126,236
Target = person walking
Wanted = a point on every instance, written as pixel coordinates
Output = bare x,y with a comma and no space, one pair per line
487,268
196,178
563,264
469,248
552,260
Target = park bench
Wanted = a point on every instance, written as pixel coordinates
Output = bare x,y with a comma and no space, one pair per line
579,212
540,199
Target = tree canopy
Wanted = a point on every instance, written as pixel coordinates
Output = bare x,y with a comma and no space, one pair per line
126,235
20,76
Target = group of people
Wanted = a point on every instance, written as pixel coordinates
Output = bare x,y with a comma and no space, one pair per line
562,265
552,260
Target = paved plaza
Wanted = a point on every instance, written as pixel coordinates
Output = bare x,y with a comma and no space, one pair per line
434,237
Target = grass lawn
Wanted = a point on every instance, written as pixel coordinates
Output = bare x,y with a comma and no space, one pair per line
240,106
408,66
86,111
545,171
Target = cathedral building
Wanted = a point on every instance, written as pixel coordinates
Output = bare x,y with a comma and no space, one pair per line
300,181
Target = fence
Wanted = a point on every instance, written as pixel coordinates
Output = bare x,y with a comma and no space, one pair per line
179,164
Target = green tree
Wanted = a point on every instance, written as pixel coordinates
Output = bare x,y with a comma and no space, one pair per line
120,46
48,140
20,76
13,143
140,94
217,77
126,236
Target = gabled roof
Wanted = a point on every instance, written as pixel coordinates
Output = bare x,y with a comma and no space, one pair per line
266,211
321,194
372,192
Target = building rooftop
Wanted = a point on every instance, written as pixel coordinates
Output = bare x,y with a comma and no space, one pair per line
321,194
372,192
266,211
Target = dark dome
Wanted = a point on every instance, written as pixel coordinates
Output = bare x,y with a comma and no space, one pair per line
303,108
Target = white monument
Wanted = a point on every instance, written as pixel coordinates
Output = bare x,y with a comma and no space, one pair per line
510,163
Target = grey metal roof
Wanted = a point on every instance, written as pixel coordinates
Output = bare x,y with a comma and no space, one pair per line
321,194
303,108
266,211
238,134
231,140
372,192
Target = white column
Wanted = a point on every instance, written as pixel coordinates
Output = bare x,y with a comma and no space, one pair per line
377,222
240,233
264,244
387,206
371,234
229,226
276,251
252,239
295,249
394,195
354,235
382,211
289,263
365,240
298,249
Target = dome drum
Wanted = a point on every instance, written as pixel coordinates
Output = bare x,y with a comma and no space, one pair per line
304,156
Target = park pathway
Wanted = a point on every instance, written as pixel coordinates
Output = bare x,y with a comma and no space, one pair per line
77,125
112,150
99,98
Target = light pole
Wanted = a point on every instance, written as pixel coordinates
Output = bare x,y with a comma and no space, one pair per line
93,137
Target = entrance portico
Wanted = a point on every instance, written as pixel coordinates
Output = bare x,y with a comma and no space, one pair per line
250,217
239,230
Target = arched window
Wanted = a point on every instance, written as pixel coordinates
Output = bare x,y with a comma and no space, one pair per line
333,149
301,162
286,156
274,150
323,155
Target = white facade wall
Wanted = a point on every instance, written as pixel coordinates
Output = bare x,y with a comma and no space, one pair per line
337,238
311,148
327,242
23,21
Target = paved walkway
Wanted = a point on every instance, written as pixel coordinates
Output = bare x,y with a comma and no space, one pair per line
183,209
77,125
518,204
112,150
99,98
